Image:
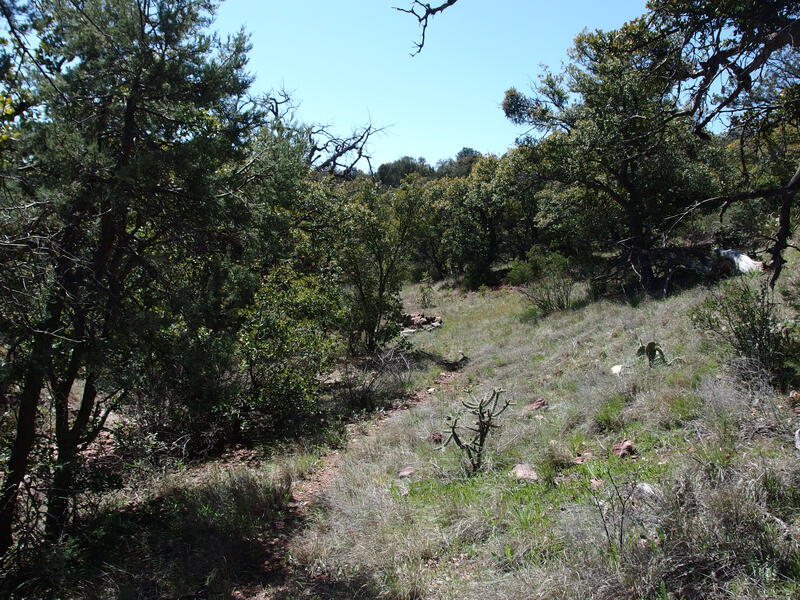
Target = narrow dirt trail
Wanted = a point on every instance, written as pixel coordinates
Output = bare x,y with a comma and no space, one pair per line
310,488
280,580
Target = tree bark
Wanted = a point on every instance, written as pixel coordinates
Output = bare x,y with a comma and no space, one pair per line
17,466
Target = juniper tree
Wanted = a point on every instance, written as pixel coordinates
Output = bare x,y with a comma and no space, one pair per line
119,189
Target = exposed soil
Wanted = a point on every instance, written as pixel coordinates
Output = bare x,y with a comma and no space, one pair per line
280,579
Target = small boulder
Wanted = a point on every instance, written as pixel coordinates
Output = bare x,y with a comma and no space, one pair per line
525,472
581,458
405,472
538,404
436,438
623,449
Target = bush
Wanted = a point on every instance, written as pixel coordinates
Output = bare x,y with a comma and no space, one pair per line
554,282
747,317
521,272
427,295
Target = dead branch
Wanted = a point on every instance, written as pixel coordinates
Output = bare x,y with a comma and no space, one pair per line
424,11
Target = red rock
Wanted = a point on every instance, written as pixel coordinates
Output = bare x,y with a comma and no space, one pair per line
435,438
537,404
581,458
623,448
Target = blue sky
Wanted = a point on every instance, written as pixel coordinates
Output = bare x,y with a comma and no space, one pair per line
347,62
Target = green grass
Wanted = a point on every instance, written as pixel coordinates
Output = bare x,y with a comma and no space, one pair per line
713,483
443,535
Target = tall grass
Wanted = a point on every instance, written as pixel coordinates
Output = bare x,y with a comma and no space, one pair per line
437,534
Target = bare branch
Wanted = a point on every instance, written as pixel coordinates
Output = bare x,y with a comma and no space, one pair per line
424,11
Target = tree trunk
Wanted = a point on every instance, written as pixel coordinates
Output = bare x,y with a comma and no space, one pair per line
17,466
68,440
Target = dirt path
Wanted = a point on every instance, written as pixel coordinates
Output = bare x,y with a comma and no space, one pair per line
280,579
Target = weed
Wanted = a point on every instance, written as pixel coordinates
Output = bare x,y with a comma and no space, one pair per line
609,416
427,295
554,284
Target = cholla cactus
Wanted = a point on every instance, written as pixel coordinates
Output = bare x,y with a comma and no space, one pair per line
485,410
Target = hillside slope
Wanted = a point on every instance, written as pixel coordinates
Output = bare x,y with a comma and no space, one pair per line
704,504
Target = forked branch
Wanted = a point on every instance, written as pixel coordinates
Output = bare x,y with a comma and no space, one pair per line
424,11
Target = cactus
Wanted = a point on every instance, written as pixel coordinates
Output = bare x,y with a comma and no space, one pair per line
485,410
655,354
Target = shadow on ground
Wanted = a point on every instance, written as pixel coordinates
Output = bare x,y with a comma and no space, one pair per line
223,538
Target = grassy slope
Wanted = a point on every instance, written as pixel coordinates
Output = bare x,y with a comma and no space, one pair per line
439,534
719,518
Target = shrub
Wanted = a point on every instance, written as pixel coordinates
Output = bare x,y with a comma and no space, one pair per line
554,282
427,295
520,273
749,319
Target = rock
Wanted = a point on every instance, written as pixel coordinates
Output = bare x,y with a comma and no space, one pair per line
737,262
645,491
418,321
581,458
537,404
436,438
797,439
623,448
406,472
524,471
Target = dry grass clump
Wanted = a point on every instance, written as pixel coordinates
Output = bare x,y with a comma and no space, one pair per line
593,525
699,537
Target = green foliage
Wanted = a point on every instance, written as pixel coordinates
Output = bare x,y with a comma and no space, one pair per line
372,251
166,211
427,295
745,314
521,272
610,142
553,284
392,173
459,167
286,340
